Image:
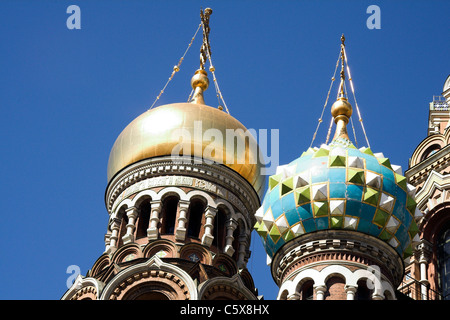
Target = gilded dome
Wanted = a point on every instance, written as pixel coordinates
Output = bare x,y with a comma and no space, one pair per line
185,129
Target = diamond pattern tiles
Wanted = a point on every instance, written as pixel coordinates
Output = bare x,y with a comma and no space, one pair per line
338,186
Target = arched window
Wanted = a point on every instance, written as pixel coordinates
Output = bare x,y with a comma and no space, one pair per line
430,151
196,210
307,290
219,231
143,219
443,257
363,292
123,225
169,214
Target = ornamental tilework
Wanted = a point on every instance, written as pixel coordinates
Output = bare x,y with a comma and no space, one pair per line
338,186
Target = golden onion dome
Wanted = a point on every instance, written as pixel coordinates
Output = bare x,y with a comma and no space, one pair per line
184,129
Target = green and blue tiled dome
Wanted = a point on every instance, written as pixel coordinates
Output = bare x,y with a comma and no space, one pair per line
338,186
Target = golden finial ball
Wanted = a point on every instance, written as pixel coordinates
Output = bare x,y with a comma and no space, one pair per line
200,79
341,108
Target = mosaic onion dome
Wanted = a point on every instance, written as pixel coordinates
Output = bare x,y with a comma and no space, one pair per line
156,133
339,186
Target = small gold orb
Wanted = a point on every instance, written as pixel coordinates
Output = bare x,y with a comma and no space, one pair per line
341,107
200,79
176,68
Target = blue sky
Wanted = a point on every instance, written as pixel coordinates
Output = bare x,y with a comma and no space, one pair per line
65,95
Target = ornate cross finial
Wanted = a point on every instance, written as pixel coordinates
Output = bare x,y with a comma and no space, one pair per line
205,49
341,88
341,110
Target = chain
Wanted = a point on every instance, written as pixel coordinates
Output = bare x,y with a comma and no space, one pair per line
176,68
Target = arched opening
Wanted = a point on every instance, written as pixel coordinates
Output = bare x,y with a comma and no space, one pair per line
153,290
307,290
430,151
336,289
443,259
363,292
219,231
195,215
151,296
123,226
169,214
143,219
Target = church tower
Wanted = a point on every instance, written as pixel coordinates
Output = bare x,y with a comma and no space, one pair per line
181,203
428,270
338,221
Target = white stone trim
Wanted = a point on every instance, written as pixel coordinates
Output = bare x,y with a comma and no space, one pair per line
320,278
235,282
82,282
154,263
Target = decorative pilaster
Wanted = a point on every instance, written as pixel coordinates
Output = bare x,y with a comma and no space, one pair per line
132,214
115,225
152,231
231,226
180,233
209,225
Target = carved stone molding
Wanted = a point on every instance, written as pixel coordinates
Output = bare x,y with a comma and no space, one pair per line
220,287
167,279
337,245
213,178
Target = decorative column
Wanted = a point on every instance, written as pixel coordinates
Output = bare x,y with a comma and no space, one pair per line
115,225
107,240
132,214
351,292
210,214
231,226
424,249
180,233
320,291
243,244
152,231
